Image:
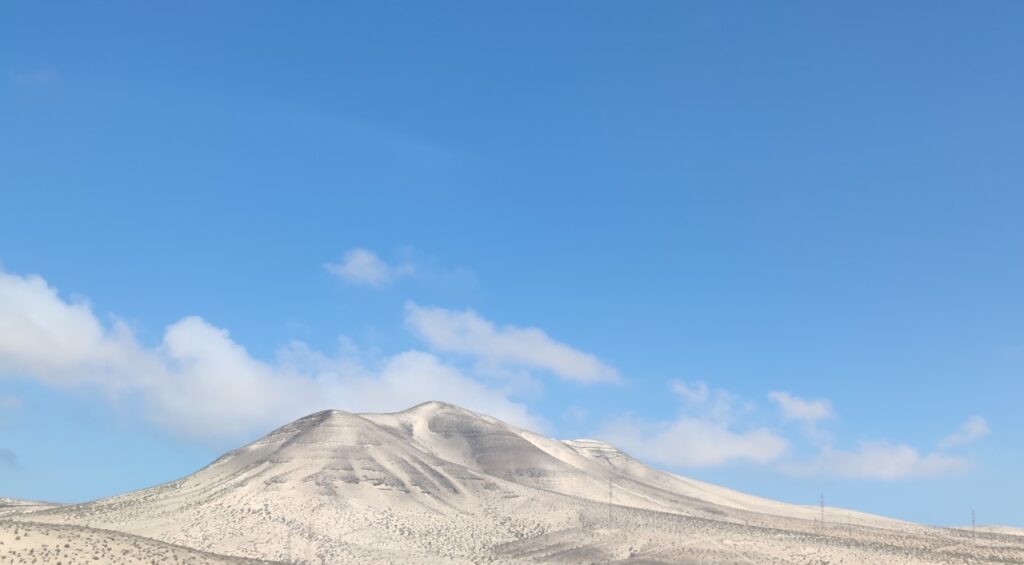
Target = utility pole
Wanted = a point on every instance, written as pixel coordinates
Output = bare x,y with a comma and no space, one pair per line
974,529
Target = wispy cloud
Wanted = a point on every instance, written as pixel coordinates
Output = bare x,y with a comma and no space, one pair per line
800,410
363,267
705,434
467,333
709,432
879,460
973,429
872,459
692,442
694,393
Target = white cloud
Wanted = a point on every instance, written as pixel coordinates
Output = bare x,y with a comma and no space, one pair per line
879,460
806,411
704,435
396,382
199,383
693,393
51,339
692,442
363,267
714,404
466,332
973,429
707,433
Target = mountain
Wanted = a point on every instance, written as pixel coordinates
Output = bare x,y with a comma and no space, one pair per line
441,484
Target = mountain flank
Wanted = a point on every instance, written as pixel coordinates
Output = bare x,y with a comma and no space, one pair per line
441,484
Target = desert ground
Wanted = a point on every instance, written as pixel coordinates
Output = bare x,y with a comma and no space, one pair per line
440,484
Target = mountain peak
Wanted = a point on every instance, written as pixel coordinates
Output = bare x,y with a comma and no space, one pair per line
434,406
314,420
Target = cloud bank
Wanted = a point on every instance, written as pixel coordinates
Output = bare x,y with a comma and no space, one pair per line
200,383
870,459
709,432
880,460
705,434
693,442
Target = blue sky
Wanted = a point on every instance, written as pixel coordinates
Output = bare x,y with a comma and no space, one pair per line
776,246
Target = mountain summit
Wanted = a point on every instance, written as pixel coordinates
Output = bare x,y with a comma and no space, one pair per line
439,483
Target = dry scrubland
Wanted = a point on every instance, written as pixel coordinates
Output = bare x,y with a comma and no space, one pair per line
25,543
440,484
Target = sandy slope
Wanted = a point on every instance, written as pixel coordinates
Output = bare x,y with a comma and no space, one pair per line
13,506
1008,530
625,465
26,542
438,484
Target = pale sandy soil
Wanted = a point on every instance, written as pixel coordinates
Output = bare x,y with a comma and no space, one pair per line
1008,530
439,484
12,506
26,542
